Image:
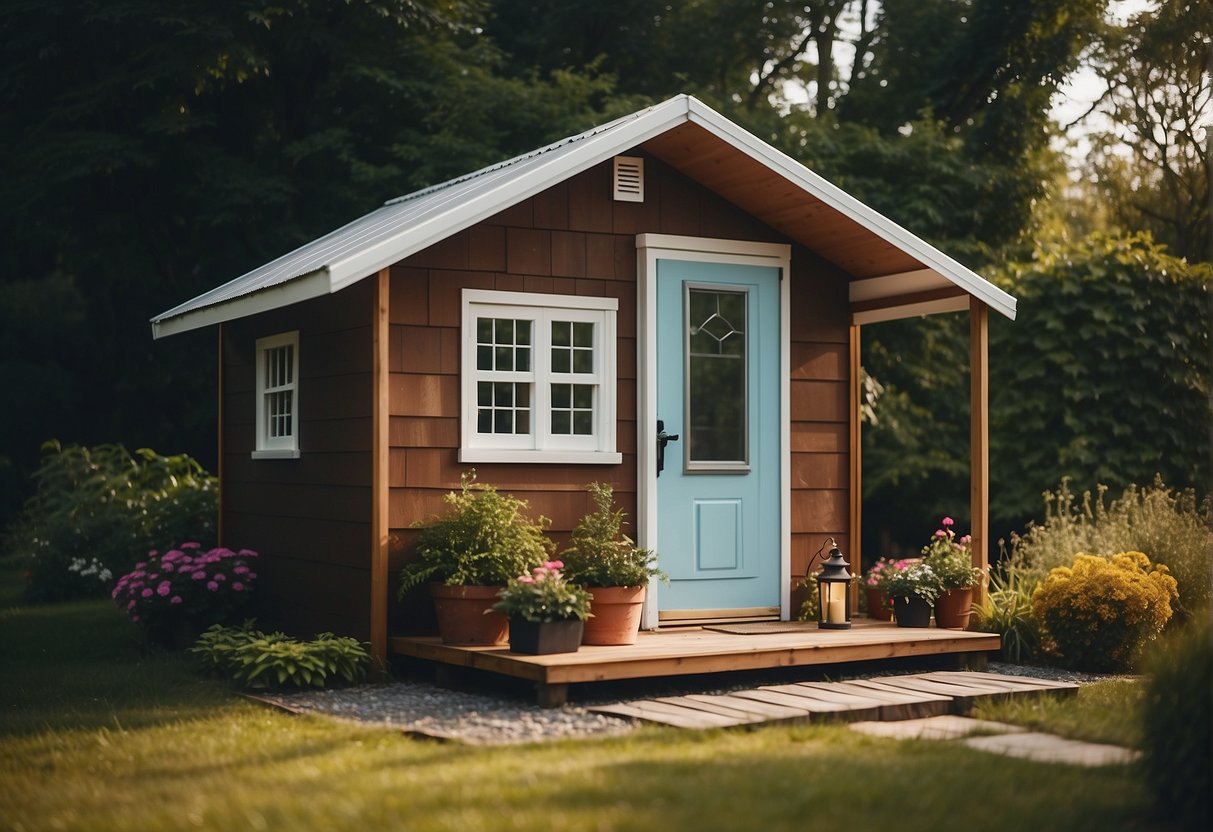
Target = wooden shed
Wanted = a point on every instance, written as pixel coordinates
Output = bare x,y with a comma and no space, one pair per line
542,320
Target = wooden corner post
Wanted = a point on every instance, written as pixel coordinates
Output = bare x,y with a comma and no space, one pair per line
379,472
856,467
979,437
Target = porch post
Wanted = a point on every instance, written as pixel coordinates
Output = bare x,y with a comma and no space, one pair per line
379,472
979,437
856,451
219,447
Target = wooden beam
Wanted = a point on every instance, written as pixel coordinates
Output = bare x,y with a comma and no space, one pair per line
856,461
979,438
380,491
219,447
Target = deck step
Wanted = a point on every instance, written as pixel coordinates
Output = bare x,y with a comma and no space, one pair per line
882,699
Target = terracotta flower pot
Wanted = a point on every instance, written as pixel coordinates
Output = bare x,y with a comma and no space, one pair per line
614,615
912,612
953,608
465,617
540,638
879,607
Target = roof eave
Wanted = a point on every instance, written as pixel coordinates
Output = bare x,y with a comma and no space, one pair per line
304,287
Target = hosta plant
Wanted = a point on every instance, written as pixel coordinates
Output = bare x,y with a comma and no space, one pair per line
258,660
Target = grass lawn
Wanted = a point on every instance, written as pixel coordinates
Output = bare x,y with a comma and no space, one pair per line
95,734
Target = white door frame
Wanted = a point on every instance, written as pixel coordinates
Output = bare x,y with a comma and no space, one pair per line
649,249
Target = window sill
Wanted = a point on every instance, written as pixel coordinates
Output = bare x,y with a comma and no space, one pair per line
285,453
540,457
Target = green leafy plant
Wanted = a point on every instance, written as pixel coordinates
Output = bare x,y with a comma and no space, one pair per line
1177,727
600,554
1170,527
951,559
484,538
1007,611
544,595
94,507
1101,611
258,660
186,586
911,577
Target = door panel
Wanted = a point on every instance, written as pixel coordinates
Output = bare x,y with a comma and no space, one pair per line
718,502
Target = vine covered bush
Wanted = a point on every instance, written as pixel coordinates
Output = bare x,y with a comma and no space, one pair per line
258,660
94,507
1170,527
1100,612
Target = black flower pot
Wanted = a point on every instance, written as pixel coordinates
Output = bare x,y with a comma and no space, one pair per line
544,637
912,612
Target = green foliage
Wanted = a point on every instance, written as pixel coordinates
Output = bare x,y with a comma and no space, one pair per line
911,577
951,559
97,509
544,595
1177,728
1169,527
484,538
1109,359
258,660
1007,611
600,554
1101,612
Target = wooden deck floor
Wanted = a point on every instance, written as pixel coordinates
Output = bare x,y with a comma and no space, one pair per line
682,651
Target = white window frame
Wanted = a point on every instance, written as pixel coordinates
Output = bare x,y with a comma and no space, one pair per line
541,445
277,447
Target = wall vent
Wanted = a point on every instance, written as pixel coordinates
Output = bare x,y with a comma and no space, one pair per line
629,179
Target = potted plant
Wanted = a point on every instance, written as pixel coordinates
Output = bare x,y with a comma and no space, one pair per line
482,541
601,557
913,589
545,611
952,560
879,606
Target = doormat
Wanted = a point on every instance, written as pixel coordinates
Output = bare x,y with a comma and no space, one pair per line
759,628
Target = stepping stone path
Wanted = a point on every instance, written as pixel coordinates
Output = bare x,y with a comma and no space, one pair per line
917,706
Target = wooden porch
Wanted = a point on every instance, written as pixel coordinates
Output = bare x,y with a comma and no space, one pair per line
699,650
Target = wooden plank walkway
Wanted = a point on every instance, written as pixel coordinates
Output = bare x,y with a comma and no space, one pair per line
885,698
674,652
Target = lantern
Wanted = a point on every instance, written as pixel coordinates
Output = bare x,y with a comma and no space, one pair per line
834,592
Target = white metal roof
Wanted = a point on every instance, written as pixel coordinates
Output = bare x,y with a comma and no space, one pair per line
411,223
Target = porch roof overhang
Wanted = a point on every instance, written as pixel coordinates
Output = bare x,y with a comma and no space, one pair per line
893,273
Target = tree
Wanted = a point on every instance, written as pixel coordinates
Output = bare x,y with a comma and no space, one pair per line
1150,163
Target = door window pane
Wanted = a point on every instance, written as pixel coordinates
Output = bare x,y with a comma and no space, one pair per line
716,376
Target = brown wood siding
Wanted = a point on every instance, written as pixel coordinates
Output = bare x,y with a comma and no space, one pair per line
574,239
309,518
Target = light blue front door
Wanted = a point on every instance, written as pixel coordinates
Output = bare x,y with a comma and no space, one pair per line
718,501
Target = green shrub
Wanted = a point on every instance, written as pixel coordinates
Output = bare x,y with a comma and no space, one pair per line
1100,612
96,510
600,554
484,539
1007,611
1171,528
257,660
1177,728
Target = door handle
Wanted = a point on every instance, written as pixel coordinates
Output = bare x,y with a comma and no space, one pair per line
663,439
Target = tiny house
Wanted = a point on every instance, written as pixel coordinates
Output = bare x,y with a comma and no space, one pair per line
665,303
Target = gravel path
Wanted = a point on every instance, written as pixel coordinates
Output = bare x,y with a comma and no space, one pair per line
483,718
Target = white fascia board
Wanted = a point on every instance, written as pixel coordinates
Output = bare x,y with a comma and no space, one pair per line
466,212
911,310
283,294
931,257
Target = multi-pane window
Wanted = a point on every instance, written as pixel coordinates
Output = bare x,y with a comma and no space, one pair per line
539,378
278,395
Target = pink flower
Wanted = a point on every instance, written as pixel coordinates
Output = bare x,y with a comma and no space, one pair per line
198,576
948,521
130,606
186,559
554,564
168,567
940,533
237,586
176,599
147,593
968,538
212,586
219,576
164,589
525,579
191,545
247,553
240,570
142,564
